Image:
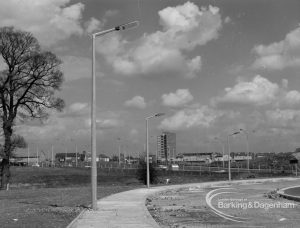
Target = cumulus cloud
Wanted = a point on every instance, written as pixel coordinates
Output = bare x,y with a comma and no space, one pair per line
259,92
50,21
93,24
183,28
187,118
137,102
177,99
79,107
279,55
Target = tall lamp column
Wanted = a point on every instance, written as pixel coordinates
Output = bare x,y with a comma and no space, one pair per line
93,106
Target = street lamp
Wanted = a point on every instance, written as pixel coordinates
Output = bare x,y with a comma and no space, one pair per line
247,147
147,145
228,144
93,107
223,149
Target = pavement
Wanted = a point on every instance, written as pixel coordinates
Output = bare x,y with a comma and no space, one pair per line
128,210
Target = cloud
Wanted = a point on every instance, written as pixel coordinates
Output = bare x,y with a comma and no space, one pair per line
291,98
79,108
188,118
104,123
108,123
287,118
105,120
137,102
177,99
279,55
49,20
184,27
75,121
259,92
93,24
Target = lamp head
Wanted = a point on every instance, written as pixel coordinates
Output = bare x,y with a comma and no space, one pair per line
159,114
129,25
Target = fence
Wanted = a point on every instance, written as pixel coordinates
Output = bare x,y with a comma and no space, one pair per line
233,170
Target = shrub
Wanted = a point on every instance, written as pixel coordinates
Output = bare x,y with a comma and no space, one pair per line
142,173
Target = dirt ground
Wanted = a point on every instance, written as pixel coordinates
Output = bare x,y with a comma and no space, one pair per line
237,205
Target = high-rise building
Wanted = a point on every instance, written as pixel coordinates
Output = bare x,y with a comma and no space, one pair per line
166,146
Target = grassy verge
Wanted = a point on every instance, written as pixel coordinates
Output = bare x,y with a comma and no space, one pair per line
47,207
53,197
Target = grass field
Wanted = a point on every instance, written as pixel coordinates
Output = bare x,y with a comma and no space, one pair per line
60,177
53,197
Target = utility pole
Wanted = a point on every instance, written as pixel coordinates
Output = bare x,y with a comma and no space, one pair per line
52,157
37,155
66,150
28,156
76,155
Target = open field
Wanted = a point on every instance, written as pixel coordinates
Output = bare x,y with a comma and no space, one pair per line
187,207
47,207
61,177
53,197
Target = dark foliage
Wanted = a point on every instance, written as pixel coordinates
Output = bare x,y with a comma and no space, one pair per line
142,173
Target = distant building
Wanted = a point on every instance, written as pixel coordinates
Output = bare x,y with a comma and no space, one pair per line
69,157
242,156
264,155
152,158
23,160
103,158
166,146
198,157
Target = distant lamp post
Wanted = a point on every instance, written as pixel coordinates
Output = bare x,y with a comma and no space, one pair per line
93,106
247,147
147,145
228,144
223,149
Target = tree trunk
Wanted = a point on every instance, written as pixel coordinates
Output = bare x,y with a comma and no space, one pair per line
5,174
4,165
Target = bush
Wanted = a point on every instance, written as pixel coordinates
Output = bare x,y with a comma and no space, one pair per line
142,173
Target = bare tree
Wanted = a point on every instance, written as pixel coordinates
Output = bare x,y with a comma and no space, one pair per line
27,86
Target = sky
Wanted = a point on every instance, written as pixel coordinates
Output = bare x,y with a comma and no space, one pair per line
213,67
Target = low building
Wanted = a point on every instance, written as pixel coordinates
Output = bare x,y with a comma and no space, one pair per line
221,158
242,156
23,160
264,155
197,157
69,157
104,158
